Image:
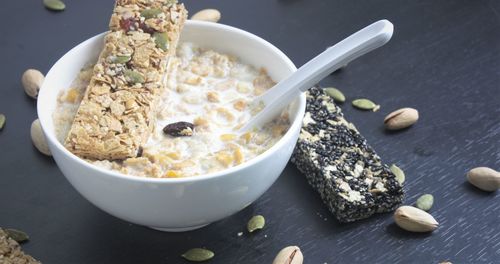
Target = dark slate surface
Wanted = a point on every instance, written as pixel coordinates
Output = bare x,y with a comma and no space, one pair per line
443,60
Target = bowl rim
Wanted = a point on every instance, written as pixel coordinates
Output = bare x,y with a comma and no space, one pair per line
47,117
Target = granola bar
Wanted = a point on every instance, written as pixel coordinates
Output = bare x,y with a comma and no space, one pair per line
117,113
339,164
10,251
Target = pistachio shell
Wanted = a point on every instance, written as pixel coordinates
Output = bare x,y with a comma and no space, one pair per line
364,104
425,202
414,220
401,118
56,5
484,178
255,223
198,254
210,15
289,255
38,138
32,80
336,94
161,40
399,173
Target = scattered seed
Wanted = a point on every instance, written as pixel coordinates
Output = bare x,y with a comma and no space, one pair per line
364,104
210,15
55,5
399,173
38,138
336,94
376,108
161,40
121,59
198,254
150,13
425,202
32,80
179,129
2,121
133,76
401,118
484,178
255,223
17,235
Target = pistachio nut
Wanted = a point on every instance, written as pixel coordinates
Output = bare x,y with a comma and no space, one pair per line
210,15
289,255
38,138
414,220
484,178
32,81
401,118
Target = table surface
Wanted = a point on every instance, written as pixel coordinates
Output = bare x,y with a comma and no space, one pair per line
442,60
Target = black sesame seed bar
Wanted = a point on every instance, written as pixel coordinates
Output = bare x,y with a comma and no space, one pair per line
339,164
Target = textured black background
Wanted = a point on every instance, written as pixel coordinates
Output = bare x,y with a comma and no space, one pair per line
443,60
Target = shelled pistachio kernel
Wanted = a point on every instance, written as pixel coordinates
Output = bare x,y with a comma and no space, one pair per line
364,104
198,254
255,223
210,15
55,5
336,94
425,202
3,119
399,173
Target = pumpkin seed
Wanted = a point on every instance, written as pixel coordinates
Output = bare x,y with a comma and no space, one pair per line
425,202
17,235
150,13
133,76
255,223
2,121
399,173
56,5
336,94
364,104
161,40
120,59
198,254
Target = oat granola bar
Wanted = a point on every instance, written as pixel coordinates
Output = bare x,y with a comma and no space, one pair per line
338,163
10,251
117,113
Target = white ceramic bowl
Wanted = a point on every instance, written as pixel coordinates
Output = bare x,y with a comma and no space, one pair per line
184,203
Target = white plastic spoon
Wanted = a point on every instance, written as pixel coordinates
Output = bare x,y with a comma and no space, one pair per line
278,97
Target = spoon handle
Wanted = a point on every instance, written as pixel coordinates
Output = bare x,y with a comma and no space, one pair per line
354,46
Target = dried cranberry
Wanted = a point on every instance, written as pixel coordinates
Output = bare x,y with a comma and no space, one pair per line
147,29
179,129
126,24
